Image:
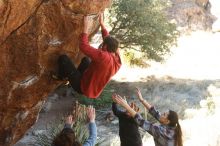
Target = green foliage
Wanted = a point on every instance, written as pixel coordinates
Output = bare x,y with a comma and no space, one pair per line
103,100
211,105
132,59
142,25
79,127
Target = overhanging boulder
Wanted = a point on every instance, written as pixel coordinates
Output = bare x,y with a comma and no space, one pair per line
33,34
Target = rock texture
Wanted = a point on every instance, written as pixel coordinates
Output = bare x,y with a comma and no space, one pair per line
33,33
191,15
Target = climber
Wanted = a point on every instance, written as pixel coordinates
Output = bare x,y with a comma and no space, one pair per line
97,68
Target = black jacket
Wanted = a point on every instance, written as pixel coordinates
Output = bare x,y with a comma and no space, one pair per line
128,128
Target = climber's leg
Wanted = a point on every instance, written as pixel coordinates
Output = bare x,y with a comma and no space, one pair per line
65,67
68,70
84,64
74,80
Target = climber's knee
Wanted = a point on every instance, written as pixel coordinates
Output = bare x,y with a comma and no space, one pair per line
84,64
85,60
63,58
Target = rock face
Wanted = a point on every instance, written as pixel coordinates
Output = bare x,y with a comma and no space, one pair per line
33,34
191,14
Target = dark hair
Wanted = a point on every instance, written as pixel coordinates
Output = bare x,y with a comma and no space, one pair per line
173,118
112,44
66,138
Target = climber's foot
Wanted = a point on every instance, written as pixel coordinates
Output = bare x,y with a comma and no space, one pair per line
67,83
55,76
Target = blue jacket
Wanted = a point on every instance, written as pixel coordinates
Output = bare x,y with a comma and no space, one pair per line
92,134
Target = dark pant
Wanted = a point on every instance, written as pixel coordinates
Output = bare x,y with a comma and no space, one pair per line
66,69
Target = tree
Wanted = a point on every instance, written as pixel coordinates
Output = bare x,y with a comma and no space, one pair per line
142,25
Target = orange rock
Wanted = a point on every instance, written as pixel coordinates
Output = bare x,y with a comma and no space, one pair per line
33,34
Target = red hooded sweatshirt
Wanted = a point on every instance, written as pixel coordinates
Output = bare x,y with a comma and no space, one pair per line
103,66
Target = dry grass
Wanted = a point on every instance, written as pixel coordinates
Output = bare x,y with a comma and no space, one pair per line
189,83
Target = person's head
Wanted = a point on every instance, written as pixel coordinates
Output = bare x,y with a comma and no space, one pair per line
171,119
110,44
66,138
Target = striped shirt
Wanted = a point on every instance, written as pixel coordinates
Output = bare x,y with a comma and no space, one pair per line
163,134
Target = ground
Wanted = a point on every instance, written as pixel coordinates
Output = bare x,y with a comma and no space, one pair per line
184,83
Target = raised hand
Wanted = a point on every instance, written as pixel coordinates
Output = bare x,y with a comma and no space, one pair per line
144,102
113,97
69,120
101,18
121,101
91,113
88,21
139,95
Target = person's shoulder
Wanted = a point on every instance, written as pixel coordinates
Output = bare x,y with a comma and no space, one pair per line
104,55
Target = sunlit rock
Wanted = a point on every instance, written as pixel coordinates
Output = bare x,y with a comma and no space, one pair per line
33,33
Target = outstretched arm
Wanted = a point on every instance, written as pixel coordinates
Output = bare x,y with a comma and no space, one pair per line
68,125
141,99
154,130
147,105
69,122
115,109
84,45
101,22
92,127
87,23
119,100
